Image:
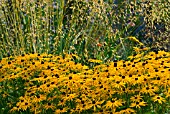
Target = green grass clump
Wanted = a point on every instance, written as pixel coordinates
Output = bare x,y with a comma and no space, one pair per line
44,83
90,29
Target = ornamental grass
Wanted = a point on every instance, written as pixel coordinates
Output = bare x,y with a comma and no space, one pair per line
47,84
89,28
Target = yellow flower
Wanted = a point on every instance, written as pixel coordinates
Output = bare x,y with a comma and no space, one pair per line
138,104
94,61
93,104
136,40
136,98
38,98
81,104
36,108
75,56
167,93
70,97
118,84
14,109
85,67
49,106
158,99
129,111
23,104
2,78
149,90
61,110
137,80
62,102
126,111
136,49
113,103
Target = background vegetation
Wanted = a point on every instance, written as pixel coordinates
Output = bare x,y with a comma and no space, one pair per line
89,28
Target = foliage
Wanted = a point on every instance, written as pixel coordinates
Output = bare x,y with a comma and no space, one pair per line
91,29
153,26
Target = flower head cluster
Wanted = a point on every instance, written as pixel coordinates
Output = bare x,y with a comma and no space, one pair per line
47,83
